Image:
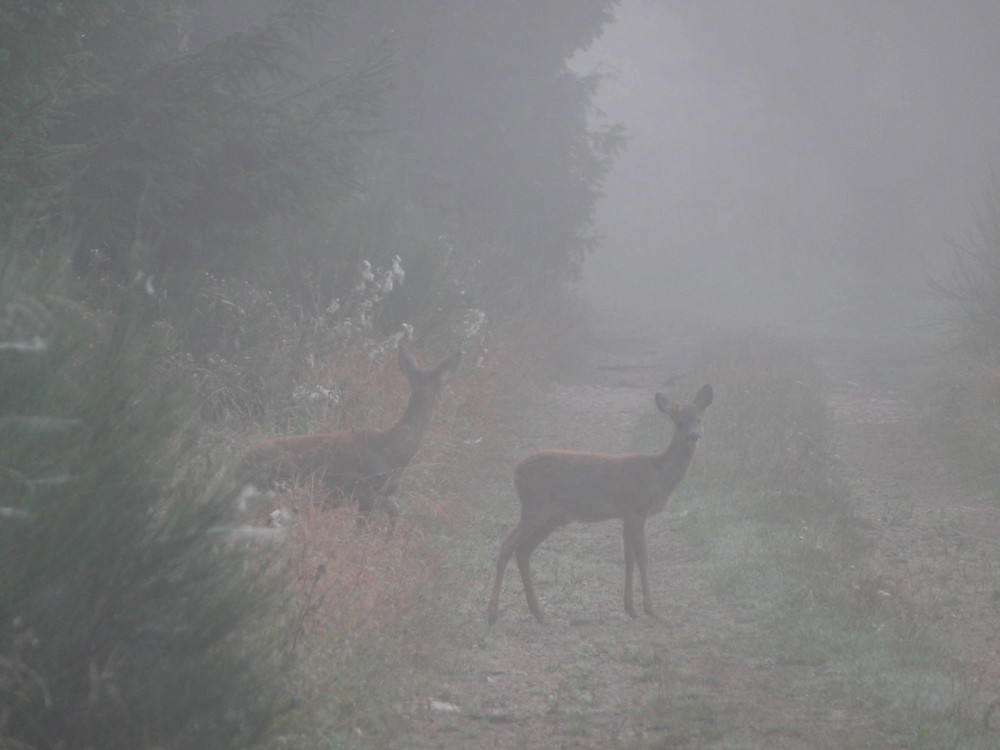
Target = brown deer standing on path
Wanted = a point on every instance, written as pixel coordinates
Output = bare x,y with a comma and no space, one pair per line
357,466
556,487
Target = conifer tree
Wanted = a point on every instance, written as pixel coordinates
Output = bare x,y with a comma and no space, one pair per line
147,155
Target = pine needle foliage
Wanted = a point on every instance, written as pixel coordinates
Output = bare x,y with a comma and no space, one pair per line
156,156
131,615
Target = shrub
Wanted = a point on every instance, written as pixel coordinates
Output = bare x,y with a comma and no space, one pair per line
965,401
131,615
972,287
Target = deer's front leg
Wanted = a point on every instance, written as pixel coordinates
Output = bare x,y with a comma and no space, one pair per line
641,554
628,532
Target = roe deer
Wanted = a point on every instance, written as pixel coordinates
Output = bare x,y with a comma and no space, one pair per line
358,466
556,487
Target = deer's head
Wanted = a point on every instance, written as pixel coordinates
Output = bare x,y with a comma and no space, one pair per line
427,383
687,418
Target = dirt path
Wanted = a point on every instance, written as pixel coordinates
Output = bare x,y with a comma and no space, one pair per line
585,678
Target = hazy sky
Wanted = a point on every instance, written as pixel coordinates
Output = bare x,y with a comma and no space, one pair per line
792,159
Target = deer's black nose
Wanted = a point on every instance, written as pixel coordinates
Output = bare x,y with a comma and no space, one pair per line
693,437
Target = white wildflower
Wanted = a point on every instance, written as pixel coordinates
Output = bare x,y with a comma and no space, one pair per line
393,341
366,271
475,322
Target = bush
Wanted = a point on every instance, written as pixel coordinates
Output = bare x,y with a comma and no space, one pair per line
965,400
130,613
972,288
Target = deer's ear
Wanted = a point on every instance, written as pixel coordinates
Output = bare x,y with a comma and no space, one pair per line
704,398
664,404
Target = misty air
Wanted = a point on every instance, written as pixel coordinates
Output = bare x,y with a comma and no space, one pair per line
449,374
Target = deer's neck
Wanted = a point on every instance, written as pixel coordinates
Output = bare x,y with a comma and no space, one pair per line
673,463
406,434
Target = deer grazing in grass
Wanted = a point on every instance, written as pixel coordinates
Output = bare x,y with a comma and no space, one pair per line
556,487
362,467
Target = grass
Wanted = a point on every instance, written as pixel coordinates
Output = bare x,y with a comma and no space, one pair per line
362,601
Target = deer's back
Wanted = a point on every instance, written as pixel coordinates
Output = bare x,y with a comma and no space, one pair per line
585,486
338,459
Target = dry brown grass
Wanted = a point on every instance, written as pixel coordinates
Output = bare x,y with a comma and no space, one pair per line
373,608
367,610
349,581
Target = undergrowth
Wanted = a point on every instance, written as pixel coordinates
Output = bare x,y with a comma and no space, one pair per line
138,609
964,401
374,612
132,613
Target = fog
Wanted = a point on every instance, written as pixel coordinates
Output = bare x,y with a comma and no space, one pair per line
798,165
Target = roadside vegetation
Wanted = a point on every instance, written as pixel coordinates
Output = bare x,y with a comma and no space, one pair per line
131,605
216,225
963,403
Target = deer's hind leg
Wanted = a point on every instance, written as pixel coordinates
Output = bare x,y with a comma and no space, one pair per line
506,550
531,538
